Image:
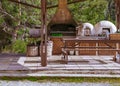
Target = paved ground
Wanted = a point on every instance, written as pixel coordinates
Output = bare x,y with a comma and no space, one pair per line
78,66
28,83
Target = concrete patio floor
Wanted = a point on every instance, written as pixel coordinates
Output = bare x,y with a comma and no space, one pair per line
78,66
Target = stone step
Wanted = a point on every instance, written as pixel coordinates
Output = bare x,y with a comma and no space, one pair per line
10,73
61,71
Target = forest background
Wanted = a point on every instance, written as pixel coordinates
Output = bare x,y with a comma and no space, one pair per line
18,19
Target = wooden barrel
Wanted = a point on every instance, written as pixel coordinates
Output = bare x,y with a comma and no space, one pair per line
32,50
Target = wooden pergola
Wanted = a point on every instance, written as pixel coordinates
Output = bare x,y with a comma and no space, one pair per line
44,27
43,8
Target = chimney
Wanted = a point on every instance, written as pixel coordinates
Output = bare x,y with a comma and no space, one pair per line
62,21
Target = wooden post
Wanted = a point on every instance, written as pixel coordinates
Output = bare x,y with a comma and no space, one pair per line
97,50
117,6
43,34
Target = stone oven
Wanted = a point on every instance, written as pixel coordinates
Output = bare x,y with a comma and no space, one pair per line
62,22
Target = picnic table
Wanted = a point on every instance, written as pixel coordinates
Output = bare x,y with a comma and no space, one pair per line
76,47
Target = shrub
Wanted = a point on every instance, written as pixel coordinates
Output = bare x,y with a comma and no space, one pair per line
19,46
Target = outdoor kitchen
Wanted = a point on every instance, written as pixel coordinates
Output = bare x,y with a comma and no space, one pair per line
62,25
70,39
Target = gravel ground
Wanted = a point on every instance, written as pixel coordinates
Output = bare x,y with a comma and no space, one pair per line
29,83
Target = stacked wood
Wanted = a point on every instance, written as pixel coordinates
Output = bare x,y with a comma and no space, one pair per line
115,36
103,52
57,44
87,52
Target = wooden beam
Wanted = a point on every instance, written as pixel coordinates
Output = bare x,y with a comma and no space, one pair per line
117,6
30,5
43,34
76,1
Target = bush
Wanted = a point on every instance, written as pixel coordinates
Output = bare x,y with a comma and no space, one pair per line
19,46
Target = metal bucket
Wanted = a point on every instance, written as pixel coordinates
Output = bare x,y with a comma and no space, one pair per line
32,51
118,57
49,48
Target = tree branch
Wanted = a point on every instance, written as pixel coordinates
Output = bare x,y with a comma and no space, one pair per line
26,4
4,12
30,5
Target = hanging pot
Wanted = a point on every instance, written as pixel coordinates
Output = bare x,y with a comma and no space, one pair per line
35,32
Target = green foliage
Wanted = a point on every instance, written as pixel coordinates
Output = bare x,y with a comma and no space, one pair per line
64,79
30,15
11,8
19,46
33,41
1,20
89,11
86,11
12,11
19,13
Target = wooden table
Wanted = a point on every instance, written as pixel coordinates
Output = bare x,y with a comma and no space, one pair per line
66,48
